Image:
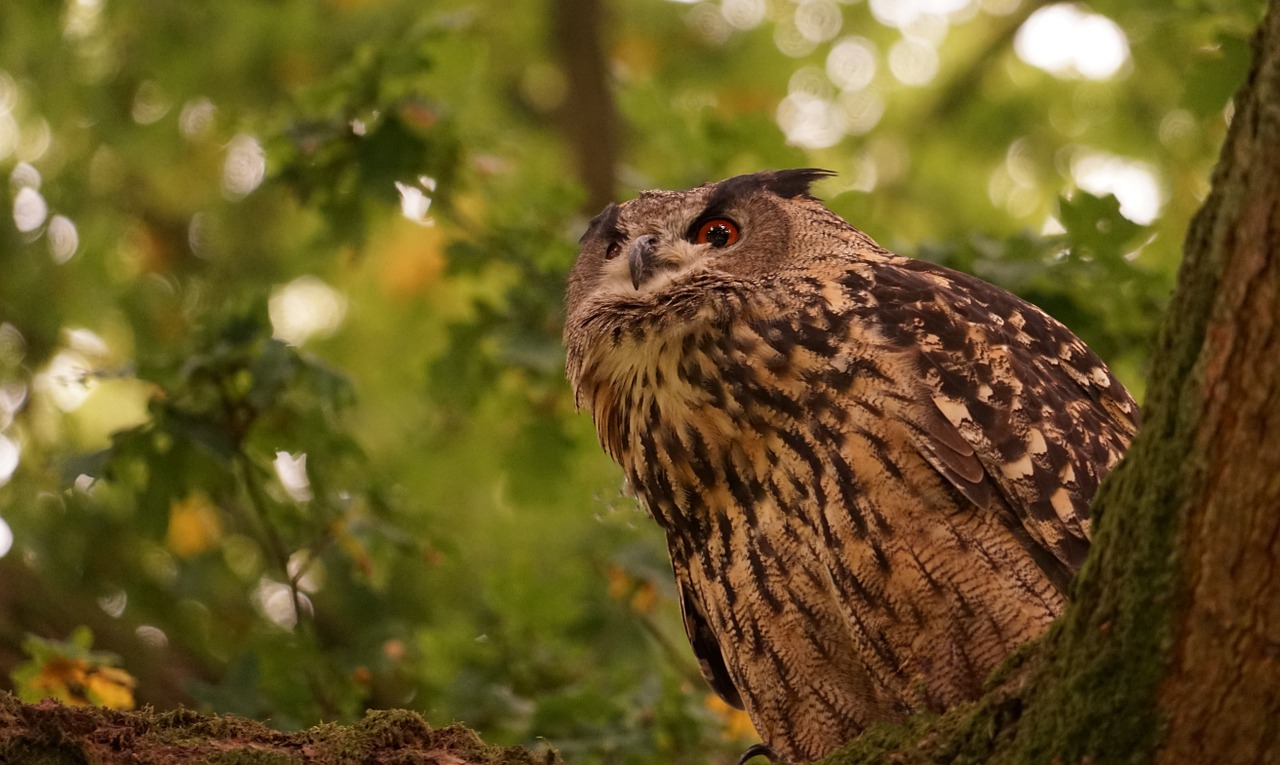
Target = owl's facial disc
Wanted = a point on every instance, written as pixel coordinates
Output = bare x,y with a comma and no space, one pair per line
653,261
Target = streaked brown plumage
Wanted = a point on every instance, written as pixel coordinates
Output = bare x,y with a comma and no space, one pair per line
873,472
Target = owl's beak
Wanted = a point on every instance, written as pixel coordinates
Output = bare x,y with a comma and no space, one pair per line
640,259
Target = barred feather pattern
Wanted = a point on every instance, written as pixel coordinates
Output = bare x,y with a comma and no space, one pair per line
873,472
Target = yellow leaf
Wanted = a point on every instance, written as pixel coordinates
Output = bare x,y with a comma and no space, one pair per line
194,526
68,671
411,259
110,687
61,678
735,724
640,594
619,582
644,598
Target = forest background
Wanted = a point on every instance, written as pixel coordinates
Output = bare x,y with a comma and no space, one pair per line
283,425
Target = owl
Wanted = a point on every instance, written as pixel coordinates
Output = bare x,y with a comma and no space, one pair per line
873,472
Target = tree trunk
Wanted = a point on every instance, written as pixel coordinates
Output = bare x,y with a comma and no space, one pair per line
1221,694
588,116
1172,645
1170,651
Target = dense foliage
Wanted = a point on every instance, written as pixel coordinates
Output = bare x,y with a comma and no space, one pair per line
281,394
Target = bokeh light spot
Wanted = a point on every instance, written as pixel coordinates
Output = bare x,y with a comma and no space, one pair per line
818,20
912,61
790,41
862,110
245,167
707,21
415,200
66,379
196,118
198,236
82,19
9,134
292,472
24,174
1132,182
64,240
851,64
29,209
743,14
114,602
1178,128
152,636
809,121
275,601
901,14
35,140
150,103
1068,41
810,81
303,308
9,456
12,396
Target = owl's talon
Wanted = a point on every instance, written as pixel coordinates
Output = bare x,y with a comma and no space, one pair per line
759,750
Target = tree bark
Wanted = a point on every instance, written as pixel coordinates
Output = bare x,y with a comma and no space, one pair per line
1170,650
1221,696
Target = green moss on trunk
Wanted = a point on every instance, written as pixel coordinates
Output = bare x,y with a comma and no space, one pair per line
1097,699
1088,692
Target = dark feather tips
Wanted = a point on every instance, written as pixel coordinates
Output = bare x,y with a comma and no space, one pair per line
787,184
606,222
792,183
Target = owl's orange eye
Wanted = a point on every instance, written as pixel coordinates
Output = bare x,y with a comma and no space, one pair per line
717,232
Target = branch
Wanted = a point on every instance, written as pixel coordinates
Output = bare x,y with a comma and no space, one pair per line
52,732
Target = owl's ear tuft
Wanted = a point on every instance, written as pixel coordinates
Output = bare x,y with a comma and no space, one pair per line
793,183
605,223
787,184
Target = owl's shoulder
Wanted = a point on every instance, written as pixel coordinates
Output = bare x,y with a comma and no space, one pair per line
1000,398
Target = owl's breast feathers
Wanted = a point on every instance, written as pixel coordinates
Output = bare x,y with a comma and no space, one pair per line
874,476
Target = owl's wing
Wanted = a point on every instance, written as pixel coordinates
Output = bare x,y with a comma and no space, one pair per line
705,646
1013,410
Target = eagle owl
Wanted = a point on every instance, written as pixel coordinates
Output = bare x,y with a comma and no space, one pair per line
873,472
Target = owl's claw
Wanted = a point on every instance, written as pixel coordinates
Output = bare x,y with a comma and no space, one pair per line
759,750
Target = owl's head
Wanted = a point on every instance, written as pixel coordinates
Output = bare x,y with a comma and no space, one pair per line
739,226
668,260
